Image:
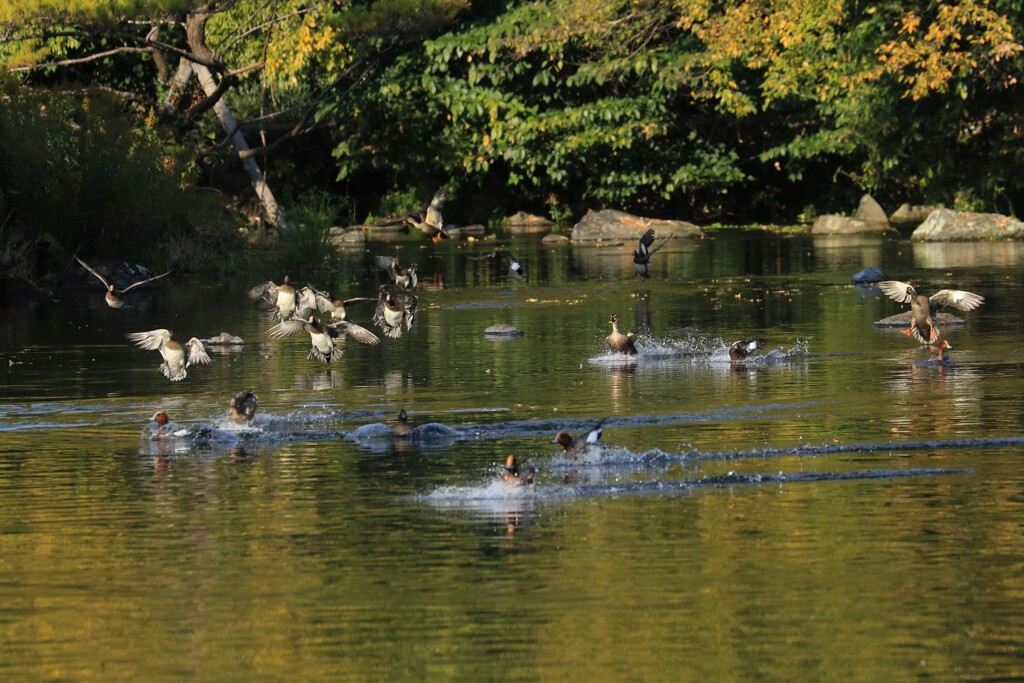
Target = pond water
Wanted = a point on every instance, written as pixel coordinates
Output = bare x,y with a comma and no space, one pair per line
836,507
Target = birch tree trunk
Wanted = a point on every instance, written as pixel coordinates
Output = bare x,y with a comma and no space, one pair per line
230,126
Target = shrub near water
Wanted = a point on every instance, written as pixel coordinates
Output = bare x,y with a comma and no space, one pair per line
307,244
78,174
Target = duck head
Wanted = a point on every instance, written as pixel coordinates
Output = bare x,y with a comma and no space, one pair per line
564,439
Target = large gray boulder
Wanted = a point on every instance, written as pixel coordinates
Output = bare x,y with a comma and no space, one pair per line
870,211
946,225
621,226
909,214
830,224
346,237
522,222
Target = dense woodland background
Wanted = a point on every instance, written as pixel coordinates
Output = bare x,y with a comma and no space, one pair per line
150,129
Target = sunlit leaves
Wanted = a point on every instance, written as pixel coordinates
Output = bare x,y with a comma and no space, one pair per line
961,41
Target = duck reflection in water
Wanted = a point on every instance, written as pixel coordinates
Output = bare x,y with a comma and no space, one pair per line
621,383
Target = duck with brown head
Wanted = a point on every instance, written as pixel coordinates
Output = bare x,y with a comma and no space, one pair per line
242,407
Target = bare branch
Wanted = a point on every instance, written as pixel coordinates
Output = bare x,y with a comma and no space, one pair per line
81,60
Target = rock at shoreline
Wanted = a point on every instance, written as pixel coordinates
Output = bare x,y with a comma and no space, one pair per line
618,225
522,222
913,215
830,224
475,230
346,237
946,225
554,239
224,339
870,211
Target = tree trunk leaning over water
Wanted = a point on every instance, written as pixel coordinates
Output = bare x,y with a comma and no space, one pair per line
215,87
231,128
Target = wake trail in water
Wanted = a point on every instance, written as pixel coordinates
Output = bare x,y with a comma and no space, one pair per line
498,497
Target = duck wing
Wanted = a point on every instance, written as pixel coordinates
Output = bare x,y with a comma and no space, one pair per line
142,282
98,276
265,295
957,298
287,328
312,298
646,240
152,340
357,332
196,353
264,289
386,263
434,218
902,292
410,311
594,435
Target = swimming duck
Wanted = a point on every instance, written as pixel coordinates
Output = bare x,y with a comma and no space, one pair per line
617,341
281,299
115,297
642,255
191,435
517,473
741,349
176,358
242,407
922,327
940,347
515,269
433,224
403,428
392,313
322,336
164,429
574,448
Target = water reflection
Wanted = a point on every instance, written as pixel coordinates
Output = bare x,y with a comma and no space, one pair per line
828,452
946,255
848,252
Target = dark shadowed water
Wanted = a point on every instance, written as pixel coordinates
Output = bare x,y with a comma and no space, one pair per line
837,507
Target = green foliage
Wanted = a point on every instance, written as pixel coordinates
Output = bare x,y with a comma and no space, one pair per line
683,108
307,243
80,176
675,107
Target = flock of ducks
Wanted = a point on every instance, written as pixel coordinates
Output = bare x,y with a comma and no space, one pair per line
325,319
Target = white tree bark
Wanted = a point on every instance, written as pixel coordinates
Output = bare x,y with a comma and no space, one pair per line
230,126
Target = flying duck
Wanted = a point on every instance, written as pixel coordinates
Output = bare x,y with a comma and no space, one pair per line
115,297
922,327
176,358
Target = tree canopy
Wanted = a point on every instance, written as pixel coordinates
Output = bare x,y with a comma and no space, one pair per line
739,110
